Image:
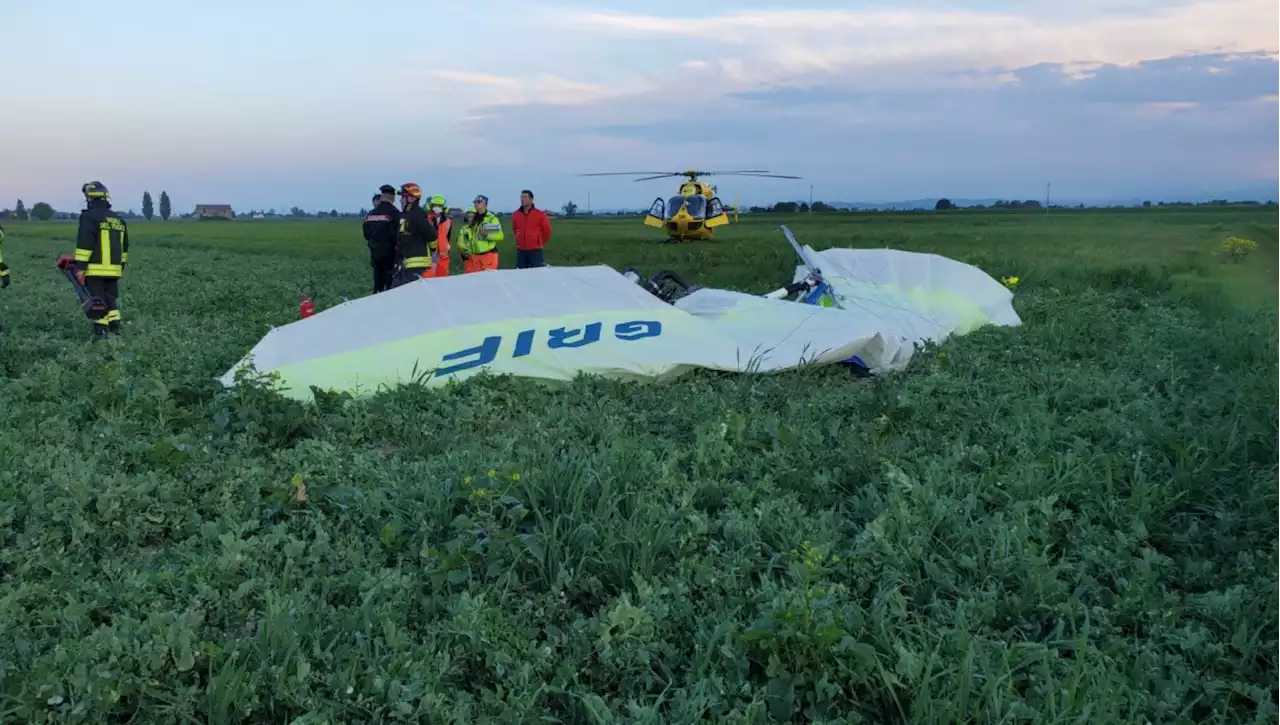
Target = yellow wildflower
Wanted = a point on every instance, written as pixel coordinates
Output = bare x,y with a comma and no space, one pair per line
1238,248
515,477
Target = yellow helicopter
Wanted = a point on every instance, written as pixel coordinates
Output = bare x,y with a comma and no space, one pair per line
695,211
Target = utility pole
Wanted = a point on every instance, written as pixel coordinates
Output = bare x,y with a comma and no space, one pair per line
588,203
1047,186
810,199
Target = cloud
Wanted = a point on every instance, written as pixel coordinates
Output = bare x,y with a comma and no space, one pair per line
1193,79
494,90
895,50
857,88
780,43
1200,120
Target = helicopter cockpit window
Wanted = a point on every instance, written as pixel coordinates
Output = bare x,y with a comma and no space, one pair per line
697,206
674,204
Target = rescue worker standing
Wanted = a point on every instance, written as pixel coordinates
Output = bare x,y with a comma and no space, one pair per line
465,236
381,226
439,216
102,251
532,230
4,268
485,233
415,235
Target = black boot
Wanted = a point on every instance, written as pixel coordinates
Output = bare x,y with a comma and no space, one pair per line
114,327
99,333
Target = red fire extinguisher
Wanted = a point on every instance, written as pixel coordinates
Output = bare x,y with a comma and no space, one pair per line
306,307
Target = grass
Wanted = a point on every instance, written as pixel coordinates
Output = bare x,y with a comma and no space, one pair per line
1072,521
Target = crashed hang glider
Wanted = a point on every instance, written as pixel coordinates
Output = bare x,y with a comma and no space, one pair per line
871,307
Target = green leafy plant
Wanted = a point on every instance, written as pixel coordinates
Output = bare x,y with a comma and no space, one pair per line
1068,521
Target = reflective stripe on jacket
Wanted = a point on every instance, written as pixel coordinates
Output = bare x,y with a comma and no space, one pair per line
102,243
491,224
415,237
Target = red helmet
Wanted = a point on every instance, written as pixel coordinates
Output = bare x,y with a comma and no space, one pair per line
411,189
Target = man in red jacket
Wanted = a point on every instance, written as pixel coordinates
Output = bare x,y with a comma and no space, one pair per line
532,230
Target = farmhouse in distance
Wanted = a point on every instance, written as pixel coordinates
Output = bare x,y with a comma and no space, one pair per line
205,211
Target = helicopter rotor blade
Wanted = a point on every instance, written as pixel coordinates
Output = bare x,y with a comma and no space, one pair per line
651,175
723,173
627,173
756,174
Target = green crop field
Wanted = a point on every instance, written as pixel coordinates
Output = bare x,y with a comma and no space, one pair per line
1072,521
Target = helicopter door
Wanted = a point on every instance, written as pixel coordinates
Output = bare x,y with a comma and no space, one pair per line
657,214
715,213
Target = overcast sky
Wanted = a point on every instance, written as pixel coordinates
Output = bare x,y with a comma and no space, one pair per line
281,103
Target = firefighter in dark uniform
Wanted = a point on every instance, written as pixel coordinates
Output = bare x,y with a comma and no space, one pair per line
415,236
102,251
4,269
380,229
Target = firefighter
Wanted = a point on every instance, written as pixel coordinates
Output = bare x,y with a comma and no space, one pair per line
486,232
4,269
380,229
439,216
415,236
102,251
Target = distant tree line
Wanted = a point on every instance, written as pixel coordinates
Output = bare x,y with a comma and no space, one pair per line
793,207
944,204
43,211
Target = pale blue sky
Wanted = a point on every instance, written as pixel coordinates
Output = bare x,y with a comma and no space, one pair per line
274,104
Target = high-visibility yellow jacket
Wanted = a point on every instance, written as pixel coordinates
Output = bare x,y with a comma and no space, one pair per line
465,237
490,224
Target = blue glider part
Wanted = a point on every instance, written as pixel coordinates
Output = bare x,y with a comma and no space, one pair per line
821,296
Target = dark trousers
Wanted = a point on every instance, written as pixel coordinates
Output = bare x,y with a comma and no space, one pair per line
405,275
104,290
384,268
526,258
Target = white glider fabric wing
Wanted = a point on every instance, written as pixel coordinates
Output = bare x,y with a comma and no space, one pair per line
917,297
554,323
550,322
